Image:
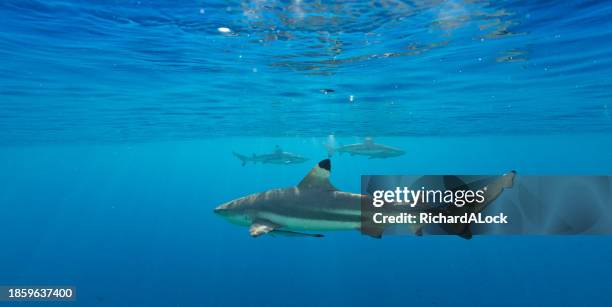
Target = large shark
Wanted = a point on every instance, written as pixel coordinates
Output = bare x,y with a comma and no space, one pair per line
277,157
367,148
314,205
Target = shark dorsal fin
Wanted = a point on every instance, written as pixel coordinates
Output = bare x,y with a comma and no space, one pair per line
318,177
278,150
368,141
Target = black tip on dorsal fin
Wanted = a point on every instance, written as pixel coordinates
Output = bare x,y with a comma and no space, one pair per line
325,164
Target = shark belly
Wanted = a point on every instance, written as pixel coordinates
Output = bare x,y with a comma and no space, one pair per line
295,222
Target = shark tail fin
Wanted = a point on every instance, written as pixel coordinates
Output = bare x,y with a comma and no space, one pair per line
242,158
459,229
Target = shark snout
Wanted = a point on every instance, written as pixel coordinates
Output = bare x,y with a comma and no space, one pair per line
221,209
229,208
234,213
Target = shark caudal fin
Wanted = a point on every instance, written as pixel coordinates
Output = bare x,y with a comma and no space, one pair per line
242,158
494,186
462,230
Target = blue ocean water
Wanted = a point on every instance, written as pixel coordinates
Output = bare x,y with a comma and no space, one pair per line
118,120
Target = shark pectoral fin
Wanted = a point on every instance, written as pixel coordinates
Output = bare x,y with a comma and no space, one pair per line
261,228
295,234
318,177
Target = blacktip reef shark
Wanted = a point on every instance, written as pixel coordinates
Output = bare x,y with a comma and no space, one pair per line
277,157
313,205
367,148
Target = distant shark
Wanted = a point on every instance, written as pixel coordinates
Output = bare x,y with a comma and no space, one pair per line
313,205
277,157
367,148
